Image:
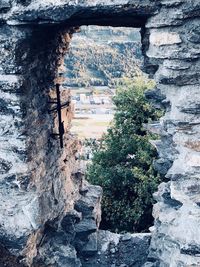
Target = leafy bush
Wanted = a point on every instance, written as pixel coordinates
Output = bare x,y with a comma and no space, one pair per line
123,163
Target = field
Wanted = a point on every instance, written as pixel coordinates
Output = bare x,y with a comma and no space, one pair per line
91,125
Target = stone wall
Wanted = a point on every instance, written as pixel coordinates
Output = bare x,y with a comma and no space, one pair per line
40,182
174,47
47,210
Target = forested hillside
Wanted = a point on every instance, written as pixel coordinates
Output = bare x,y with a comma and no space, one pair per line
102,56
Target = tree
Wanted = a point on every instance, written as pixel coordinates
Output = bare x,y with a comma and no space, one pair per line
122,164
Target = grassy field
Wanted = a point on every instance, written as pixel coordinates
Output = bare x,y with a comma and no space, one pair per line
91,126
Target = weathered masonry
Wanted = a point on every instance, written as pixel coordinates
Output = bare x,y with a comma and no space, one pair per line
48,212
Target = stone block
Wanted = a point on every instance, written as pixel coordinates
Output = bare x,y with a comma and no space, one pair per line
5,5
164,38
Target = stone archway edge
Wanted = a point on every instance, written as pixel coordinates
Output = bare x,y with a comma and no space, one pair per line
77,12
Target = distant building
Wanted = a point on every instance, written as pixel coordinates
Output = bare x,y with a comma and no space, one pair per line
97,100
85,102
105,99
84,99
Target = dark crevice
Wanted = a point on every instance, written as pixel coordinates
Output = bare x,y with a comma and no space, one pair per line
114,21
76,21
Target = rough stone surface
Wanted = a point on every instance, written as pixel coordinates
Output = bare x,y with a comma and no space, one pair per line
40,184
8,260
175,50
116,250
78,12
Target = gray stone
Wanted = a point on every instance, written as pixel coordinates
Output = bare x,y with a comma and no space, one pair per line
91,247
45,181
112,248
5,166
38,11
5,5
126,237
85,227
162,165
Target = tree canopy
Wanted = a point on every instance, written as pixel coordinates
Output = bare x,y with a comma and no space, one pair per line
123,163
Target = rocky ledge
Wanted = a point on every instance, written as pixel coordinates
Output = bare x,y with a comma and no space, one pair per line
117,250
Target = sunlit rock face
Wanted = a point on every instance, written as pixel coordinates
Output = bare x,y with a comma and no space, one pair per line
174,47
48,213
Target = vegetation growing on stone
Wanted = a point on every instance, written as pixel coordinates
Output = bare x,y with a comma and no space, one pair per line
123,164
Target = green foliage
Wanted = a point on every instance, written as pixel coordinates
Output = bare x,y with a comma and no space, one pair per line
123,163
